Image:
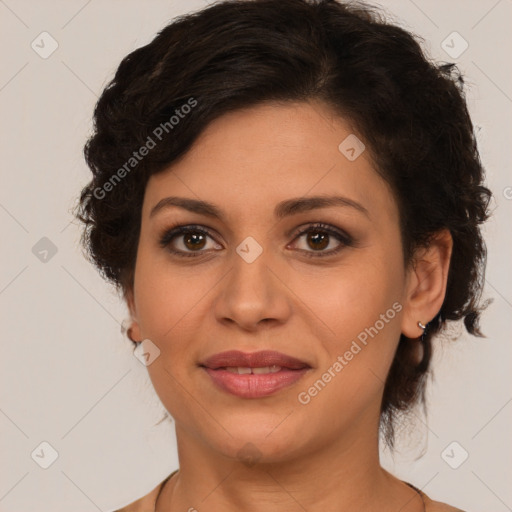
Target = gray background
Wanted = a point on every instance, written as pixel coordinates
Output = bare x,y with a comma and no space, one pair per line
68,376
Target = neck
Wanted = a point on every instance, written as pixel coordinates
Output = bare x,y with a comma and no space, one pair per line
342,476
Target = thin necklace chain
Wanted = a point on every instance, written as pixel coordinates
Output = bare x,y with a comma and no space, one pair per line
172,474
161,489
420,494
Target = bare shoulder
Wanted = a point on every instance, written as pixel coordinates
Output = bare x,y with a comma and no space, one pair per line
144,504
437,506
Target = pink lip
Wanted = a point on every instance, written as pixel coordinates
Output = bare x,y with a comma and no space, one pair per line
253,360
254,385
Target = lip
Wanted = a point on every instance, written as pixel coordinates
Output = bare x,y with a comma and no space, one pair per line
253,360
254,385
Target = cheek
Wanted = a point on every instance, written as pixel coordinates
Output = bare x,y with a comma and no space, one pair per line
363,291
356,358
361,305
168,298
367,304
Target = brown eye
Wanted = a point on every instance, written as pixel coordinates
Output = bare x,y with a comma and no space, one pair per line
186,241
194,241
320,236
317,240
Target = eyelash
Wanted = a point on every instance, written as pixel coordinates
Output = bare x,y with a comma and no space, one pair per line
171,233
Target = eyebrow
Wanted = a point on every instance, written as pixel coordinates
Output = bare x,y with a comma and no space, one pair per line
283,209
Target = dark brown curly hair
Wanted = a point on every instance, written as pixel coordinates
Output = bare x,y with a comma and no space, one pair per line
410,111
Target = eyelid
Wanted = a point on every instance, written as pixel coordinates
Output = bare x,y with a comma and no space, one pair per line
321,226
176,230
344,239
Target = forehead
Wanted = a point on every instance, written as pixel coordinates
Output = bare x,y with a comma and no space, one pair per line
249,160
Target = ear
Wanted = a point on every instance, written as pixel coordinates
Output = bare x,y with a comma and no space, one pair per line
426,283
134,329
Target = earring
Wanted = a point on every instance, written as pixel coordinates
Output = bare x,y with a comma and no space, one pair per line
424,327
420,346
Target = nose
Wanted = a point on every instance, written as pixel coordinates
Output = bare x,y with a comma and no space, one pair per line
253,294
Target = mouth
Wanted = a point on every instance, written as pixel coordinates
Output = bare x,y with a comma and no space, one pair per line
254,375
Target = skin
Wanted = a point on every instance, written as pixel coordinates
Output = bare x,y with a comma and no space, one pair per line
322,455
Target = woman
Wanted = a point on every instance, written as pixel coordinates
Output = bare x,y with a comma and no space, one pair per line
288,193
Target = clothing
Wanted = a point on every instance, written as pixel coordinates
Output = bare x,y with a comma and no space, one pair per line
147,502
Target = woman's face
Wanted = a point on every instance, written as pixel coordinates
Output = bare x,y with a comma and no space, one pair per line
255,283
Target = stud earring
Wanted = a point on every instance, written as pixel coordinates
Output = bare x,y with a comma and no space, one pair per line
424,327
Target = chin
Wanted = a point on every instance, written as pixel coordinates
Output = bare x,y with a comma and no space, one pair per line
259,440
